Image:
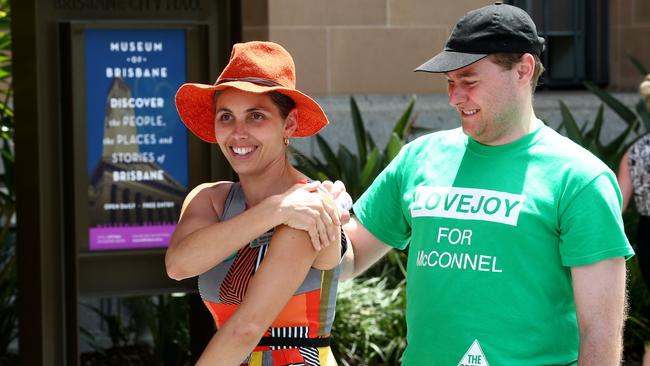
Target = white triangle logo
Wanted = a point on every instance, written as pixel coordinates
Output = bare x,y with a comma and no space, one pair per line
474,356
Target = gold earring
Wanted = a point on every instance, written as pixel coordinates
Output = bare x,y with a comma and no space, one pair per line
286,140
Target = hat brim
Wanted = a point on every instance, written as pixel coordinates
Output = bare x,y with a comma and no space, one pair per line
447,61
195,106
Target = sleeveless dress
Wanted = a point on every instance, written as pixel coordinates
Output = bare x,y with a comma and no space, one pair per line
639,165
300,333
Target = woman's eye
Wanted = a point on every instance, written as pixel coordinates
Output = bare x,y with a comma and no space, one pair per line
225,117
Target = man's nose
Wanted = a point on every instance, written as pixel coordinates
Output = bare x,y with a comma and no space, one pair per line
456,96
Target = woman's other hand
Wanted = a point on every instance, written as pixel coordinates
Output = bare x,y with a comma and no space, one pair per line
303,207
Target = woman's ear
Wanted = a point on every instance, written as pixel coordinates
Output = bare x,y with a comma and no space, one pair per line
291,123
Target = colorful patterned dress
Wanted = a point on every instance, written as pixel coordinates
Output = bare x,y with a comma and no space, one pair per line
300,333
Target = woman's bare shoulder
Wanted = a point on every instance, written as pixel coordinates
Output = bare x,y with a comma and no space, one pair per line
211,195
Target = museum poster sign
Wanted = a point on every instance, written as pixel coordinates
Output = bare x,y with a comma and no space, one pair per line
137,146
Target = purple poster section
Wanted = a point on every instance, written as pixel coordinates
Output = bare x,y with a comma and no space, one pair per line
130,237
137,145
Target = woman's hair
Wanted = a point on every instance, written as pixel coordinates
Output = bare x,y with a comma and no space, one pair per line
284,102
644,90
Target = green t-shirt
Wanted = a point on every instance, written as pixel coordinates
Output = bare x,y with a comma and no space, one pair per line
493,231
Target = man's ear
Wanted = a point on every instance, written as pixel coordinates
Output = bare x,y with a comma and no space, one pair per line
291,123
526,68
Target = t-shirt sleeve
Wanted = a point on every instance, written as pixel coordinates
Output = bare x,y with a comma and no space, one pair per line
379,209
591,226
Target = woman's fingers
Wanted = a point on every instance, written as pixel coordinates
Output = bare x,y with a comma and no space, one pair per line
322,231
315,238
310,207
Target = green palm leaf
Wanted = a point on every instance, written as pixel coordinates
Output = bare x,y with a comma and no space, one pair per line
329,156
370,169
404,122
616,105
359,130
570,125
637,64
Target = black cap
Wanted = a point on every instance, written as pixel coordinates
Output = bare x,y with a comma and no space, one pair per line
497,28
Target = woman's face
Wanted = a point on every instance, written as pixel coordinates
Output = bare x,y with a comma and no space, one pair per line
251,131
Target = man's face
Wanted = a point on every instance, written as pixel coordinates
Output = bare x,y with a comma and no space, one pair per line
488,100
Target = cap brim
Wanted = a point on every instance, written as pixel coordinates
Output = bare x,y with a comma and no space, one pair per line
447,61
195,106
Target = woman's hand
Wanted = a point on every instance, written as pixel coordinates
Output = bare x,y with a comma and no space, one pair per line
303,207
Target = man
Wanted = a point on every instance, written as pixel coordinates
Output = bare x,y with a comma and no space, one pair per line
517,250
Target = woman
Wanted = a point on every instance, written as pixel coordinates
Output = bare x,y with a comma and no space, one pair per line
267,287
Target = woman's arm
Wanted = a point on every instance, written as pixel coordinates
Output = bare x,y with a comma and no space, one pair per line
201,240
330,256
625,180
284,268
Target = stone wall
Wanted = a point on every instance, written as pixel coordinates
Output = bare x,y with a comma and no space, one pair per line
629,34
372,46
357,46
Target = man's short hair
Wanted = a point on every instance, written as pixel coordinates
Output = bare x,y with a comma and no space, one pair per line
508,60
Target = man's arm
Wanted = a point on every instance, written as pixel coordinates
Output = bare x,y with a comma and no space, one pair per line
366,249
599,291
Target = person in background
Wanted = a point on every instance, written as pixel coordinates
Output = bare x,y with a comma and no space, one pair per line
516,243
267,248
634,180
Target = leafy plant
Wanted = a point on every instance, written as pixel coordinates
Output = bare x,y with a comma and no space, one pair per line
167,317
360,169
639,66
122,330
8,312
370,326
591,138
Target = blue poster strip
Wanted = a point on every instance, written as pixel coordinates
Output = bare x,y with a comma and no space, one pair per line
137,146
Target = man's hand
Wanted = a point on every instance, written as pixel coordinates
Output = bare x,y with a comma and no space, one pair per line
304,208
335,189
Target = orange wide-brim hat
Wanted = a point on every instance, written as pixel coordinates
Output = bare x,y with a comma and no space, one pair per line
256,67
